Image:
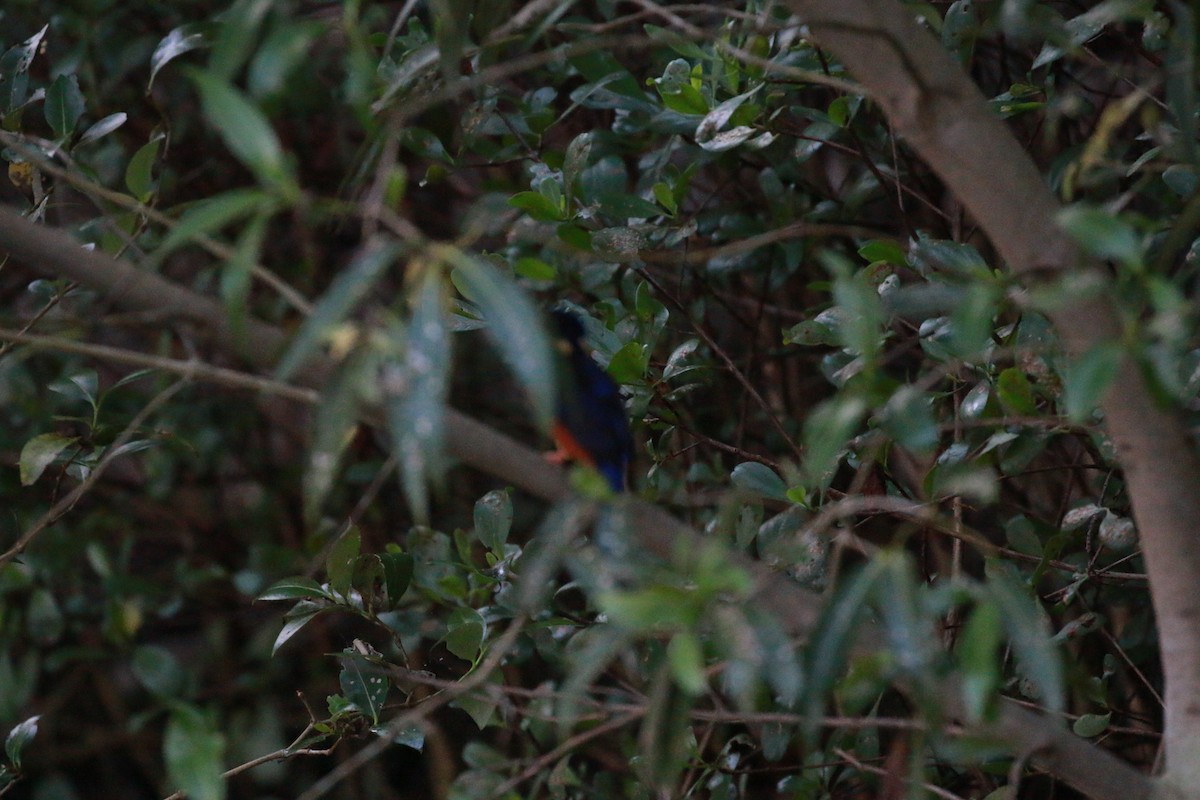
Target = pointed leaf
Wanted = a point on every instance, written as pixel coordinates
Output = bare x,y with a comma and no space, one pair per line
39,453
416,396
464,633
300,615
139,174
245,130
103,127
349,288
212,214
1088,379
834,635
514,326
1103,234
294,588
64,105
364,683
493,519
179,41
340,562
334,426
194,751
760,479
397,575
686,657
237,271
1037,656
976,651
20,736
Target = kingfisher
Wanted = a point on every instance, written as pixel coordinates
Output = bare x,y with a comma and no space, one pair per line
590,425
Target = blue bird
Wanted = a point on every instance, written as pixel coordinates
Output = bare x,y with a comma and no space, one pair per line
590,425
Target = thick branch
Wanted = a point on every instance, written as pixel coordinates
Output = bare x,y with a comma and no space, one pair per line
936,109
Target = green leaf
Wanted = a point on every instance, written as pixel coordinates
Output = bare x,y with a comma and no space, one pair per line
464,633
194,751
686,657
245,130
39,453
237,37
64,105
826,431
677,42
284,49
908,418
180,40
884,250
709,134
538,206
629,364
158,670
1015,392
1103,234
237,272
14,70
1037,657
535,269
1088,378
415,391
334,425
665,197
103,127
760,479
972,319
294,588
653,609
43,616
18,738
575,161
977,653
341,560
139,174
910,636
833,637
860,326
348,289
493,519
1090,725
931,256
397,575
364,683
300,615
81,385
214,213
480,706
514,326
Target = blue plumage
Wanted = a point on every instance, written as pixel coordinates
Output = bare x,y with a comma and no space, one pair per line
591,426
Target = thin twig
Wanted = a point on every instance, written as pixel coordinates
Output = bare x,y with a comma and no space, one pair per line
191,369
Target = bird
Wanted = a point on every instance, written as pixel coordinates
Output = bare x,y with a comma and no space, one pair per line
590,423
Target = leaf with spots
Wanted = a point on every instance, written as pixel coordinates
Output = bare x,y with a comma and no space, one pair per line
364,683
416,388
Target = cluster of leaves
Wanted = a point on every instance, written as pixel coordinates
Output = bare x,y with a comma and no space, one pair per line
772,278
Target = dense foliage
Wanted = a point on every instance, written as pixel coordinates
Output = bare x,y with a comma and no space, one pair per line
828,369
